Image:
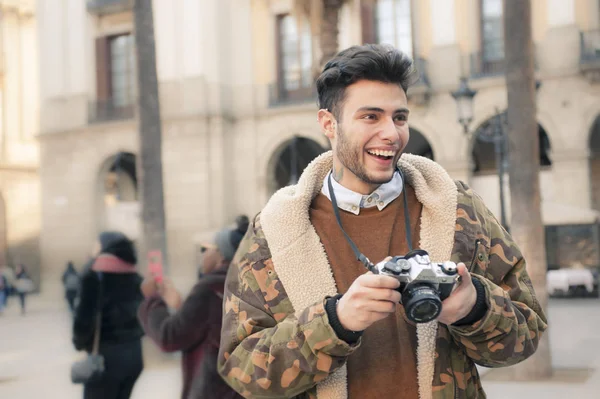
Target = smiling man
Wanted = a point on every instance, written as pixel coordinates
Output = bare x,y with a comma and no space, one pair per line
303,317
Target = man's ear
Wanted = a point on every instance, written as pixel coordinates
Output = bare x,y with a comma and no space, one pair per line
328,123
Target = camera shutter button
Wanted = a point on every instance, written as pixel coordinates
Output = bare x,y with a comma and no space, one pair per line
404,264
449,268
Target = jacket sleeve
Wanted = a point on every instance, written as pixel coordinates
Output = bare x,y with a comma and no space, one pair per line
85,313
182,330
511,329
266,350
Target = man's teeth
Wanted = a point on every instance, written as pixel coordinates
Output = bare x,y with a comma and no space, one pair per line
382,153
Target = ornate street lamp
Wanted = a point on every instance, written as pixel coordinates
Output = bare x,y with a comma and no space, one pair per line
464,103
492,133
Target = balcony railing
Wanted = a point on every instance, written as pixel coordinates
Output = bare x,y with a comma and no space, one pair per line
420,93
480,67
590,47
421,67
279,95
107,111
109,6
590,55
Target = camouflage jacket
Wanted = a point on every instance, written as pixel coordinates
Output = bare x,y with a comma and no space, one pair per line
276,339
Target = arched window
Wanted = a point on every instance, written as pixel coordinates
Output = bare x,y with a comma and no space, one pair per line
118,206
291,160
120,180
418,145
294,50
484,154
595,163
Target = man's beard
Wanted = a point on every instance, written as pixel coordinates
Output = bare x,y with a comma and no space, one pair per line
350,156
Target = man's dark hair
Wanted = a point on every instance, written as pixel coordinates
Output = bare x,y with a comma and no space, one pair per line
377,62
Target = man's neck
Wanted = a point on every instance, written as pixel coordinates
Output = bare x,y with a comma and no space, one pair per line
350,181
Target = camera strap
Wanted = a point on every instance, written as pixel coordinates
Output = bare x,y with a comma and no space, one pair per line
359,255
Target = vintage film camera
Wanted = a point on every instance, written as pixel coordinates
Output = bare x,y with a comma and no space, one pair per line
423,284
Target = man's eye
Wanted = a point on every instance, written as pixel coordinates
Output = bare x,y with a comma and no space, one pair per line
370,117
402,118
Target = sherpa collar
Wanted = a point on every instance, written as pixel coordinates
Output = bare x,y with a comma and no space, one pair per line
301,262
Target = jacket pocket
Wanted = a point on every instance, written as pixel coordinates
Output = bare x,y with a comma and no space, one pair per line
481,259
467,384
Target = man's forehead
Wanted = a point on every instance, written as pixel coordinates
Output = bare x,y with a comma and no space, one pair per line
367,93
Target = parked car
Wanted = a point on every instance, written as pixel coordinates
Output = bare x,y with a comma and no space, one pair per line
572,283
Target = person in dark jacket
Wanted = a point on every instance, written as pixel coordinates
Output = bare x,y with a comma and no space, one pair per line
71,282
113,271
195,327
23,285
3,292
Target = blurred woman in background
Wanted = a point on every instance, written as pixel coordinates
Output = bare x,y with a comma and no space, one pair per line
194,327
113,271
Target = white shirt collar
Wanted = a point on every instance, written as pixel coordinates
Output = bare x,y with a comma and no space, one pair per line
351,201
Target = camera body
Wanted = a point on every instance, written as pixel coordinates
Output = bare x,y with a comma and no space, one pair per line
423,284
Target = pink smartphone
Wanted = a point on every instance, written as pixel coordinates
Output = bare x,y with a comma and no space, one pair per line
155,265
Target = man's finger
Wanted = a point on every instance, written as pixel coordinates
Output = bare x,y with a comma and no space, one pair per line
384,294
463,272
381,307
378,281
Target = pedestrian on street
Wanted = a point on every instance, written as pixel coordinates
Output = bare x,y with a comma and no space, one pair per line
195,326
3,293
23,285
71,282
315,305
9,279
111,286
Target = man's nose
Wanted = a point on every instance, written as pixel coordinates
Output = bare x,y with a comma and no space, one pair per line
389,130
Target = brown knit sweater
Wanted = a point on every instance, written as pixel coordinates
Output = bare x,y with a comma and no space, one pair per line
385,365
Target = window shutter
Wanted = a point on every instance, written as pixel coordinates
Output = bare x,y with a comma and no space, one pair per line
103,69
367,12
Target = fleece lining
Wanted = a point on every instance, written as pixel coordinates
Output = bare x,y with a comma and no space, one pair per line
301,262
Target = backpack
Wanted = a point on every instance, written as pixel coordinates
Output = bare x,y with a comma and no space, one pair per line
72,282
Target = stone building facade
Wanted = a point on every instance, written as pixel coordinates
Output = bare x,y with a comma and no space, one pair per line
238,107
19,158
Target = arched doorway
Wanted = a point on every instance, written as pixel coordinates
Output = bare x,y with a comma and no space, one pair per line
291,159
595,164
118,194
483,154
486,179
418,145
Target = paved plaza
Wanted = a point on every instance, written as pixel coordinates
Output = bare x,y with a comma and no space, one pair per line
36,354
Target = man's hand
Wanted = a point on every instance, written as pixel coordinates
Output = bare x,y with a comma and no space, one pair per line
169,294
370,298
149,287
461,300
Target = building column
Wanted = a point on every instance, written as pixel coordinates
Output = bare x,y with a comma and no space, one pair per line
444,58
561,12
442,22
560,49
457,169
571,167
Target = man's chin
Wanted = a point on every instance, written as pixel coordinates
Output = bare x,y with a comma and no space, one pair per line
381,179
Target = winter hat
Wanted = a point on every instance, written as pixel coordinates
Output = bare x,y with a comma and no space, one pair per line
228,240
117,244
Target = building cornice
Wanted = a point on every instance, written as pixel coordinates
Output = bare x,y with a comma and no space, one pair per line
22,8
8,167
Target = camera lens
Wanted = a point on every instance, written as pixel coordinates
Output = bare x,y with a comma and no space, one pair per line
421,303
